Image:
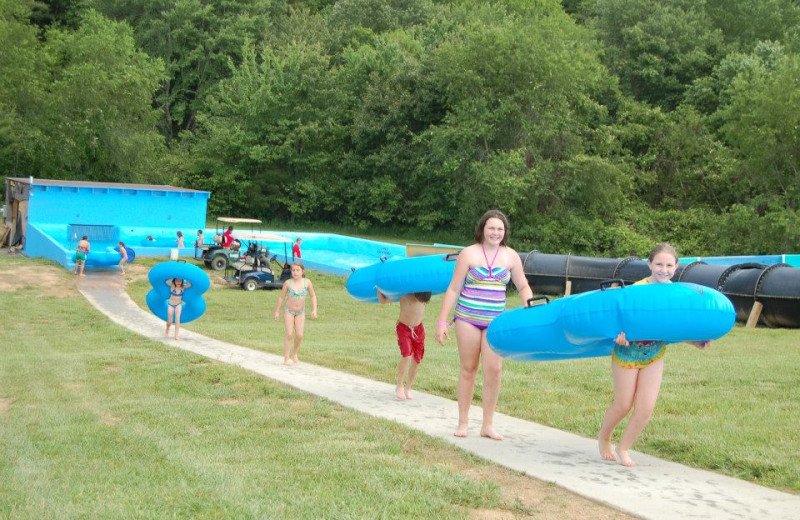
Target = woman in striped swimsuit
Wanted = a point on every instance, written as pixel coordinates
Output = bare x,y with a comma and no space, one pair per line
478,292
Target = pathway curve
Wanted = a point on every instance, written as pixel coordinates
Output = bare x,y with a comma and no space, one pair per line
656,489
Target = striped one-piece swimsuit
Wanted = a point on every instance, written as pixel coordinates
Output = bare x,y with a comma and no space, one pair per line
483,296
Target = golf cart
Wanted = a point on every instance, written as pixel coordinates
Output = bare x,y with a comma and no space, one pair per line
215,255
253,270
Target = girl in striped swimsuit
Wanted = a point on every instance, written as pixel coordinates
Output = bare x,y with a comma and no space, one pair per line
478,292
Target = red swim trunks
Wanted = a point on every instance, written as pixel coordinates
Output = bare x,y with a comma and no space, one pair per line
411,341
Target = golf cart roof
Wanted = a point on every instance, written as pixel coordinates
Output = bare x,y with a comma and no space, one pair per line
266,237
231,220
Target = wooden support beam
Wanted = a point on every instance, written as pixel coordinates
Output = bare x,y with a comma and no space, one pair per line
568,288
755,314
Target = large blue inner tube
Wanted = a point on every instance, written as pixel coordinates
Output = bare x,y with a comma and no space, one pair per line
585,325
194,305
395,278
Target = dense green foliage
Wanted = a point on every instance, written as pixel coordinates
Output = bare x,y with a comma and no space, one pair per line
598,126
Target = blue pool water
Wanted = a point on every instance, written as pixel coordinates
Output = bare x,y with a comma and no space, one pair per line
332,253
326,252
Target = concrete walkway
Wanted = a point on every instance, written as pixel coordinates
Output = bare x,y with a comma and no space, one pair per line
654,489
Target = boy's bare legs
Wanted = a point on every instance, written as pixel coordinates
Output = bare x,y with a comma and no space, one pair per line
399,390
412,374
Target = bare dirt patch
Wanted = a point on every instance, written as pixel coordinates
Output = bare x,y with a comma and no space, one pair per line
50,281
5,404
136,272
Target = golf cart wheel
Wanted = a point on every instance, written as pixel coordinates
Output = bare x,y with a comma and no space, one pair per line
219,262
251,284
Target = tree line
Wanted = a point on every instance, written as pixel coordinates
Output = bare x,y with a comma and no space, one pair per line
598,126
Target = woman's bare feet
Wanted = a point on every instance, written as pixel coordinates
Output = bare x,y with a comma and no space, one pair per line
408,394
296,359
400,393
625,459
491,434
287,362
606,450
461,431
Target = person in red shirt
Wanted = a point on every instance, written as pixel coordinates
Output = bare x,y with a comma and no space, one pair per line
296,248
227,237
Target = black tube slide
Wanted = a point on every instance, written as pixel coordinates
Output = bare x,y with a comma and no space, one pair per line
776,287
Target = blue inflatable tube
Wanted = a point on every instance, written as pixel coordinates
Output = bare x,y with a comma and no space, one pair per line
131,253
361,283
536,333
586,324
395,278
194,304
417,274
672,312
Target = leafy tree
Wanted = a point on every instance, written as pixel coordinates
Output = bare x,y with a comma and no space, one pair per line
58,13
79,102
657,48
521,110
745,22
22,88
272,123
195,39
762,122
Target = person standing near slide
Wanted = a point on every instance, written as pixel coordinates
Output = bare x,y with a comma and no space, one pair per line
478,292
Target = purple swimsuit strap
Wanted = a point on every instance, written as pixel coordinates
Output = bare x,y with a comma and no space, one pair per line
488,263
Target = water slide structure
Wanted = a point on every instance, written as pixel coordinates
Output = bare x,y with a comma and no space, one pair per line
774,288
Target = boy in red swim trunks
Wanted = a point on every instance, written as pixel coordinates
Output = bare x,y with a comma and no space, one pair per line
410,338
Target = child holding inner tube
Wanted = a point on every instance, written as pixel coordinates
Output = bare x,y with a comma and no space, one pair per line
177,286
293,299
637,368
410,338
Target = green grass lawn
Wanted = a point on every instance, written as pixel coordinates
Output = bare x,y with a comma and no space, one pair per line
99,423
733,408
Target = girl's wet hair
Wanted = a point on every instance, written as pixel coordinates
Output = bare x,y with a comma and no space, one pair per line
492,213
663,247
121,244
176,280
180,234
84,237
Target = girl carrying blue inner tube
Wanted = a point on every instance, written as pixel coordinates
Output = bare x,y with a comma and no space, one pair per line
177,286
638,368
